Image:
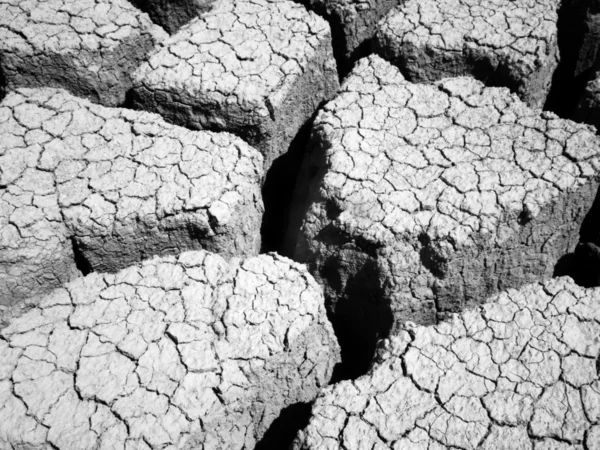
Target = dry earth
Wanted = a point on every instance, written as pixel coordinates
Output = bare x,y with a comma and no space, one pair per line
116,184
520,372
506,42
180,352
431,166
88,47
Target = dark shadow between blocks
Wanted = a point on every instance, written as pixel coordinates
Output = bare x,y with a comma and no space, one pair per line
281,221
583,265
568,81
283,430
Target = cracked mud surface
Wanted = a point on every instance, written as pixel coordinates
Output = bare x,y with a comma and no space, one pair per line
123,184
436,196
180,352
135,313
89,47
258,69
518,373
503,42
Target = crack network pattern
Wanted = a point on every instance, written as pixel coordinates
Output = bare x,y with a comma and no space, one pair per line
503,42
522,372
177,352
258,69
123,184
451,191
89,47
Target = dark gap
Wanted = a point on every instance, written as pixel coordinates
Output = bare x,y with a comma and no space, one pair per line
2,83
524,217
172,14
128,103
279,199
81,262
565,93
308,180
354,297
344,65
567,85
501,77
337,35
491,73
431,259
583,113
283,430
588,61
360,319
338,40
578,48
564,266
583,265
495,76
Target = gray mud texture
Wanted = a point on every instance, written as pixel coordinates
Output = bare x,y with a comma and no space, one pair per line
120,185
258,69
89,47
501,42
181,352
519,373
429,198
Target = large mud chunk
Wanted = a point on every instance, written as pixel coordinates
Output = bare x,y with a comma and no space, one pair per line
258,69
518,373
179,352
503,43
426,199
353,22
86,46
122,185
173,14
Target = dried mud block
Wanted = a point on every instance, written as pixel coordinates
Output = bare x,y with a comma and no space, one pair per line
518,373
123,185
353,23
258,69
89,47
179,352
432,197
173,14
502,42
